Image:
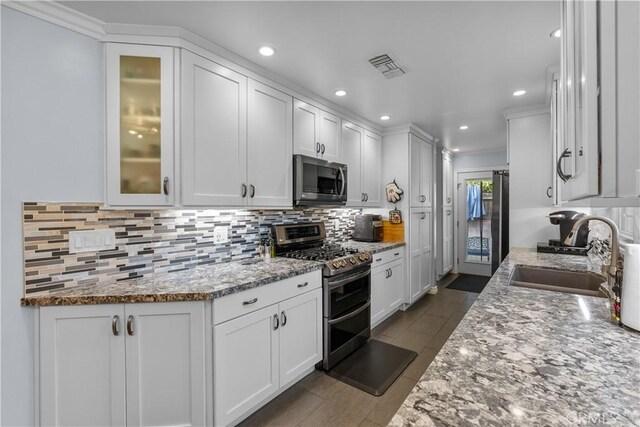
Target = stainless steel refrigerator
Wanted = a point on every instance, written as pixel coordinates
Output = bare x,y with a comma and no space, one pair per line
499,219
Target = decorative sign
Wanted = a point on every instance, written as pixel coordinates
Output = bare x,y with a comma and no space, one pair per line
395,216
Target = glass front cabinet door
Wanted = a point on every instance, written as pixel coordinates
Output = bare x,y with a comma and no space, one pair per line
140,136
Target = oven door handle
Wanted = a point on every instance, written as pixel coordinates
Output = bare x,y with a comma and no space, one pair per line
350,315
333,285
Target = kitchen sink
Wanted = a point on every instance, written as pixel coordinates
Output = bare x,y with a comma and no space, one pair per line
571,282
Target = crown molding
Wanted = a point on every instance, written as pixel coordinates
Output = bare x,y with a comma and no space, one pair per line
61,15
531,110
409,128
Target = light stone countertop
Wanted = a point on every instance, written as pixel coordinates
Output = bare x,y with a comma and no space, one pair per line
198,284
373,247
531,357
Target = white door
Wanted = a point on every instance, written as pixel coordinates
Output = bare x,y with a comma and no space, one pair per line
270,147
306,132
371,161
300,335
330,130
426,172
352,137
415,189
394,285
140,140
474,222
415,256
447,238
82,365
214,133
379,278
426,275
166,371
246,363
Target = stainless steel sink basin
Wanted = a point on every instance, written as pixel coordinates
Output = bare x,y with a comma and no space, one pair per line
571,282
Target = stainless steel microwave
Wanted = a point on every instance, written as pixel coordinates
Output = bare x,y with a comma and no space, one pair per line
318,182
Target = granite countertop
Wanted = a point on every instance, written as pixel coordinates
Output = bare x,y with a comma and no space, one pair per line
373,247
198,284
531,357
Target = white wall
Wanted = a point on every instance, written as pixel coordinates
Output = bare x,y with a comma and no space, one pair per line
52,150
480,159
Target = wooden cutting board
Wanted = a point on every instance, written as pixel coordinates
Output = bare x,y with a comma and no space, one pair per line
392,232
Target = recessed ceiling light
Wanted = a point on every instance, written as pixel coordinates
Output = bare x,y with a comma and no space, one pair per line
455,150
266,51
519,92
464,127
340,92
133,132
139,136
385,117
557,33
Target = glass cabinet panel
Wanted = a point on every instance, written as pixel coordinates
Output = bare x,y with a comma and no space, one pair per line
140,125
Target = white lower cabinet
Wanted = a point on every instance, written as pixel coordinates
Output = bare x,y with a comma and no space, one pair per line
124,364
447,239
387,281
420,259
259,354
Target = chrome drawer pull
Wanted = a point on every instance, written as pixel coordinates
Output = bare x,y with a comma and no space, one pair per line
253,301
276,322
302,285
130,325
396,254
115,325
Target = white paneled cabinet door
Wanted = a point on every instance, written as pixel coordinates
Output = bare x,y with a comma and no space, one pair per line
246,368
447,180
82,366
306,131
379,278
166,364
300,335
415,190
270,146
426,274
214,133
139,125
394,286
415,255
447,238
330,130
426,173
352,137
371,165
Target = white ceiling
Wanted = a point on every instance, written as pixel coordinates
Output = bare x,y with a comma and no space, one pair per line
464,58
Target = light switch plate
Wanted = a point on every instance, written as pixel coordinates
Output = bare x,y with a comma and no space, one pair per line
91,240
220,234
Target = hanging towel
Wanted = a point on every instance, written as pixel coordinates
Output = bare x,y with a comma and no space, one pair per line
475,208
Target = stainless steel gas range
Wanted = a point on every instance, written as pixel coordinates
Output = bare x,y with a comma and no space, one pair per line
346,287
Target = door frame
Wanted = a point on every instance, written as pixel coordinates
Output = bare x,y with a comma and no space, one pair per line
456,206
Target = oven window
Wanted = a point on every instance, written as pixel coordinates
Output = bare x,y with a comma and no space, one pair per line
344,298
321,179
343,332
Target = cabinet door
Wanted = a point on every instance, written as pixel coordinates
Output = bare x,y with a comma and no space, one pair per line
426,274
415,189
330,131
393,286
447,238
379,279
246,363
447,181
415,255
300,335
371,156
352,140
140,140
166,364
306,131
214,133
426,172
82,365
270,146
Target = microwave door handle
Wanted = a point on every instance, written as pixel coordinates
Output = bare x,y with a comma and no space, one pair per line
333,285
350,315
343,182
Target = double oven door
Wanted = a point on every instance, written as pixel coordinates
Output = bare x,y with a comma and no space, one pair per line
347,314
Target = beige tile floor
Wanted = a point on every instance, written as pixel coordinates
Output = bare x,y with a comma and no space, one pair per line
319,400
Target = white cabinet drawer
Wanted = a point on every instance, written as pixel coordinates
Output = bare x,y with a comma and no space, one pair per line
387,256
238,304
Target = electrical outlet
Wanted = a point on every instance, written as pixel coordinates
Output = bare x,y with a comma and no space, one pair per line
91,240
220,234
336,225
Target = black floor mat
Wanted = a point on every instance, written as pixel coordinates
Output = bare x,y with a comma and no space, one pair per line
373,367
469,283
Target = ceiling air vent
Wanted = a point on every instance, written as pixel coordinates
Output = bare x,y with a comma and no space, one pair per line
385,65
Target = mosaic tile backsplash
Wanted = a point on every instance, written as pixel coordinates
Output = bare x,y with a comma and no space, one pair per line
148,242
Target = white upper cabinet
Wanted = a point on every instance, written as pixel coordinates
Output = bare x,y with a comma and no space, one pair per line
140,115
270,147
316,133
362,151
214,134
447,180
371,164
421,163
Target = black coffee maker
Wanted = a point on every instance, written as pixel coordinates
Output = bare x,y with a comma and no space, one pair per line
566,221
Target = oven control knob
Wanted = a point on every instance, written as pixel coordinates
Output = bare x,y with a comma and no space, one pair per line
362,257
353,260
343,263
336,264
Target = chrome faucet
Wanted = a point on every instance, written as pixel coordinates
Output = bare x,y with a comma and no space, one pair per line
613,269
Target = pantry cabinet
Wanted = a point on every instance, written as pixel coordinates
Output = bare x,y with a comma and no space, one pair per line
139,125
316,133
420,257
124,364
362,152
421,158
448,224
387,281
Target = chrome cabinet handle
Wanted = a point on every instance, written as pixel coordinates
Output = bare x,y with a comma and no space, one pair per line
564,177
115,325
252,191
448,199
396,254
302,285
276,322
549,195
378,259
243,191
362,197
322,151
366,197
165,185
251,301
390,272
424,215
386,273
317,147
130,325
448,212
284,318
